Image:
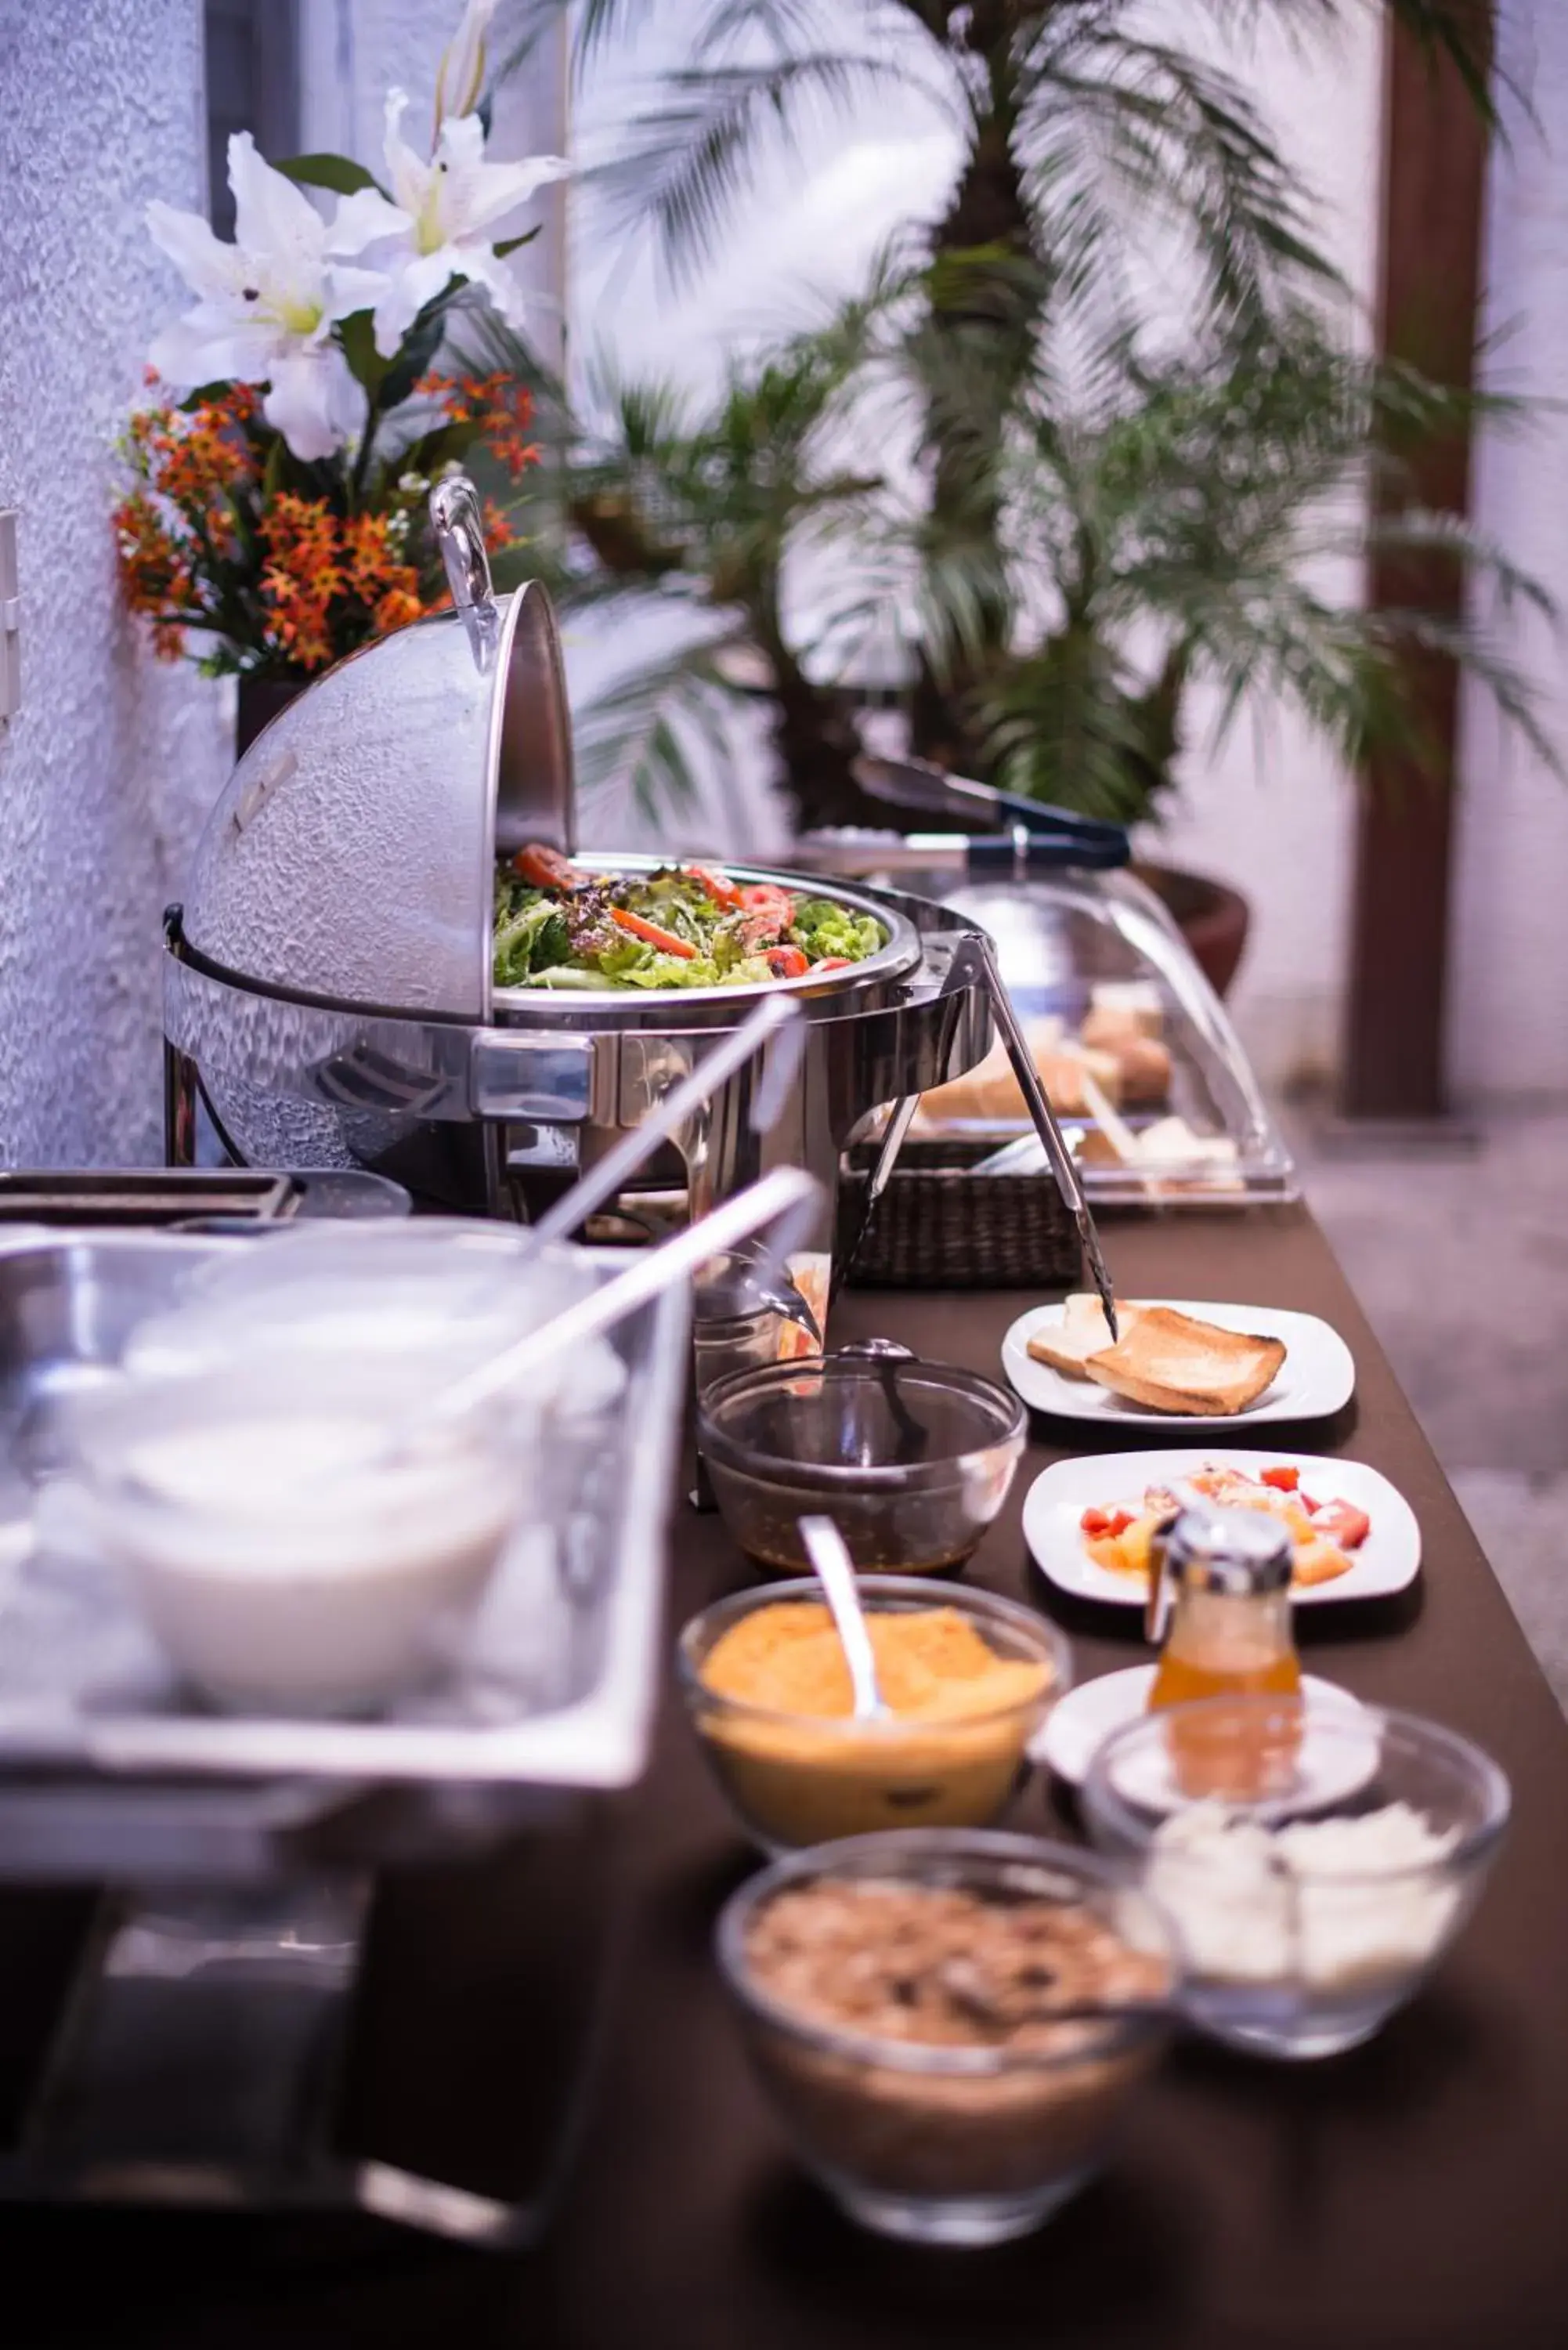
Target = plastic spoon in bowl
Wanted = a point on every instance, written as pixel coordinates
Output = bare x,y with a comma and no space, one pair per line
789,1200
835,1572
611,1173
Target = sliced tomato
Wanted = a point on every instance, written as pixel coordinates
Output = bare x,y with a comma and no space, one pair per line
1284,1480
788,962
650,932
1106,1522
545,868
1343,1522
718,885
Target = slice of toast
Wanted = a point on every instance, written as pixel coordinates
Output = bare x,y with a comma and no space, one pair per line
1083,1331
1173,1362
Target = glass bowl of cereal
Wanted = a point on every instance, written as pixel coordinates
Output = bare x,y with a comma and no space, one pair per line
950,2024
1315,1860
969,1678
911,1459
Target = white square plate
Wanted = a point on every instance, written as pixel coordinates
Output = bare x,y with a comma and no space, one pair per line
1317,1377
1386,1560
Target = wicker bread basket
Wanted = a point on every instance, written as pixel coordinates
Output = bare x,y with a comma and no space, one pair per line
937,1226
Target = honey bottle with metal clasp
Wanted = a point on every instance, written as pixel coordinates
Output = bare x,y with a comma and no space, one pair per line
1219,1607
1219,1603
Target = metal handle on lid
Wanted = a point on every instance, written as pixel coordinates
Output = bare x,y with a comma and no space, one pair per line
459,529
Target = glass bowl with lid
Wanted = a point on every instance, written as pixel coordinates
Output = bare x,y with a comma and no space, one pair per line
911,1459
1315,1860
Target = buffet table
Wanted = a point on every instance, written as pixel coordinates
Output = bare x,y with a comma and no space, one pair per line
1410,2195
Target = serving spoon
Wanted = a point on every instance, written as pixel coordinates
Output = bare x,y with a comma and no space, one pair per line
835,1572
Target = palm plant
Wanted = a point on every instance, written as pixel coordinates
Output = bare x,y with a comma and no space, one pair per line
697,510
1083,137
1171,526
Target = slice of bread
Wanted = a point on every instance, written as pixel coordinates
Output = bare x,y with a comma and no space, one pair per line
1083,1331
1173,1362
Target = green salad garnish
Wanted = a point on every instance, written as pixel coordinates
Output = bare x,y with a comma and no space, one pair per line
682,926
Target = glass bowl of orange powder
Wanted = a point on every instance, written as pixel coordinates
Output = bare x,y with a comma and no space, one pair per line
969,1680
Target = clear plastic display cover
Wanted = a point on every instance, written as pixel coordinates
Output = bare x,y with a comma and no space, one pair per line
1141,1063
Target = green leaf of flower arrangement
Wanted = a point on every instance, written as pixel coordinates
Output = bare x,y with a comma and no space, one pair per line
416,354
358,336
338,173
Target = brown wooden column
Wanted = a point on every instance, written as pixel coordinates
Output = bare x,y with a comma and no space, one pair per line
1434,175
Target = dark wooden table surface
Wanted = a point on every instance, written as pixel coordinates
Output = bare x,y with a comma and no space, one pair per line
1411,2196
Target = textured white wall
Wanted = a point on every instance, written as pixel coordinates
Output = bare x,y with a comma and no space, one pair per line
104,771
1510,970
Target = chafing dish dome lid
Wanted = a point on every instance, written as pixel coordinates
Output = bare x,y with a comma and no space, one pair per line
352,852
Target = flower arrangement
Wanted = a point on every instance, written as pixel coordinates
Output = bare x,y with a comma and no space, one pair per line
280,473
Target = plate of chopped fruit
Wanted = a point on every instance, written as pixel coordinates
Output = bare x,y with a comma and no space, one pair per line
1090,1523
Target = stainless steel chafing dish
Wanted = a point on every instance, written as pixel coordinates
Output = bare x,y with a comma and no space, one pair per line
327,984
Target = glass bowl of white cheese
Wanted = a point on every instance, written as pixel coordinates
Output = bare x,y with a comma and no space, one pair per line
1315,1861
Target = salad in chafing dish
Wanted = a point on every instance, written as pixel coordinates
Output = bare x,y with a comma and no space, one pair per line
557,926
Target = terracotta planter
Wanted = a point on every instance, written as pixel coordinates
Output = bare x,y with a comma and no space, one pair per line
260,700
1212,917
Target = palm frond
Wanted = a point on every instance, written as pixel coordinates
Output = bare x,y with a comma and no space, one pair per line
698,151
596,26
642,731
1065,723
1473,556
774,26
1118,128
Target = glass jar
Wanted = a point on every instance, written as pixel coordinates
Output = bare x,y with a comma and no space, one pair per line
1221,1593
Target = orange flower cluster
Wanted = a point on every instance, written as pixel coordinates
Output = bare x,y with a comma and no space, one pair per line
383,582
197,457
194,463
276,577
301,576
315,562
156,572
502,408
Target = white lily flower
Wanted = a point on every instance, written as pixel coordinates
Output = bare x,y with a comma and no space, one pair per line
267,305
461,75
441,211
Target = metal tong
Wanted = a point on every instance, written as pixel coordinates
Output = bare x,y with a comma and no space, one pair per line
1031,836
975,956
977,948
